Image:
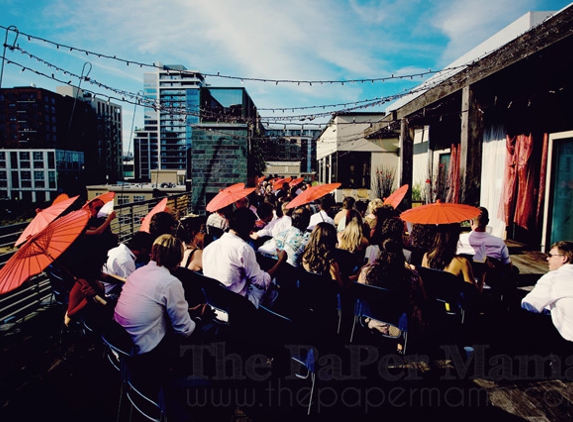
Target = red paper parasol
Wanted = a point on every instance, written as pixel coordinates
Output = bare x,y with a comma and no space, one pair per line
61,197
44,217
159,207
227,196
296,181
261,179
105,197
396,197
278,184
312,194
440,213
42,249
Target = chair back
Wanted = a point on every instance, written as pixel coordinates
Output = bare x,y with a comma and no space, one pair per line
318,303
231,308
192,285
448,295
382,305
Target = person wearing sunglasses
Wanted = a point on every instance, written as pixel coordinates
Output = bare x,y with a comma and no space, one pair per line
553,292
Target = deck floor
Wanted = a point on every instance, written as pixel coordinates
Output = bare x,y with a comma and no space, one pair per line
41,379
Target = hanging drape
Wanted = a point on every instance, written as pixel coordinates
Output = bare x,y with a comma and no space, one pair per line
492,174
519,199
454,175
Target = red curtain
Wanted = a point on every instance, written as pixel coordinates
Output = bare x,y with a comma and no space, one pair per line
454,175
518,192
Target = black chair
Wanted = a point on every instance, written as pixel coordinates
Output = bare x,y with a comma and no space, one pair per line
318,305
120,352
192,285
449,296
384,306
232,310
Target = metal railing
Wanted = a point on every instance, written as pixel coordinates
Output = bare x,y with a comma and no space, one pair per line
37,292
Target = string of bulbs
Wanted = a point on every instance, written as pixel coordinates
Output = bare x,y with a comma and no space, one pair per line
309,82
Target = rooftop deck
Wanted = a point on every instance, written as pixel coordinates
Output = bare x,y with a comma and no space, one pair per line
39,378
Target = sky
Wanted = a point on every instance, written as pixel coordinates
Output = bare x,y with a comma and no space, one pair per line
306,58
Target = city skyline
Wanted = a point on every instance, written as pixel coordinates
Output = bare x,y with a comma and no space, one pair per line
274,51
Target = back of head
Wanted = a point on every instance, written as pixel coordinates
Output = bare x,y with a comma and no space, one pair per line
389,270
373,204
189,227
301,218
361,207
162,223
326,202
348,203
265,210
167,251
140,241
445,245
482,219
318,252
242,221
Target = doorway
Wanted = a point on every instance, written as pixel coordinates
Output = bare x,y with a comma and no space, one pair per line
558,208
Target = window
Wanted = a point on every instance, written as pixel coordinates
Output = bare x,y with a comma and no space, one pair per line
52,179
138,198
122,199
38,175
38,155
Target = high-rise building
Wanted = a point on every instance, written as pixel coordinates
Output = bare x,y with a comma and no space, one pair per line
166,139
56,142
105,154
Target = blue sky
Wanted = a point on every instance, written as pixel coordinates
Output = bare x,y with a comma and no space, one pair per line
295,40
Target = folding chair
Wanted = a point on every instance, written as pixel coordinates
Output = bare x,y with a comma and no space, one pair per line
384,306
319,305
120,352
449,296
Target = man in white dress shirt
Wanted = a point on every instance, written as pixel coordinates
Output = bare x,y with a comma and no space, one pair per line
321,216
232,261
553,292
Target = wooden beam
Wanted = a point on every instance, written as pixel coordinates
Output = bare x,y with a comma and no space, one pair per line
471,149
406,160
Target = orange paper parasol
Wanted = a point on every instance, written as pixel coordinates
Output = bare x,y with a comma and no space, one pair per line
296,181
227,196
42,249
440,213
278,184
44,217
312,194
105,197
159,207
396,197
61,197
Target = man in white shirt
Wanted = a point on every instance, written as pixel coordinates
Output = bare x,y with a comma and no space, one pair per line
152,302
122,260
480,244
321,216
232,261
553,292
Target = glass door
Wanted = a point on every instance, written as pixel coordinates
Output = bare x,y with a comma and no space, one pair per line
558,208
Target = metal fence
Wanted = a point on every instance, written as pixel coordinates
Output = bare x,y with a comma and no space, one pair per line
36,292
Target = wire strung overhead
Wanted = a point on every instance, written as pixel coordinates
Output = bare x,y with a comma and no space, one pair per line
308,82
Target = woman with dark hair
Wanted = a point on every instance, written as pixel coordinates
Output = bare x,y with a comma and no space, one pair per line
320,254
442,255
188,231
392,272
420,241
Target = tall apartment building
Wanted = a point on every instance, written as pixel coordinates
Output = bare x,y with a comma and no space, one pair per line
166,139
50,143
105,154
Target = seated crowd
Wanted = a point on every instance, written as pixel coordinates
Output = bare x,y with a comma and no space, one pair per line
359,243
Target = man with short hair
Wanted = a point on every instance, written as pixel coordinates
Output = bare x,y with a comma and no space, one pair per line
480,244
232,261
152,302
321,216
553,292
